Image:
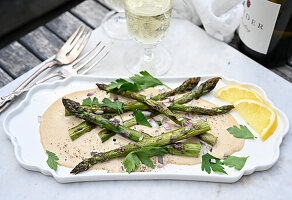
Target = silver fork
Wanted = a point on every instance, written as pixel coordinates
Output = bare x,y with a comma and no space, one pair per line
67,54
64,72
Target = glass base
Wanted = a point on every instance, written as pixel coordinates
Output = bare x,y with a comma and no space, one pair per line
115,25
159,65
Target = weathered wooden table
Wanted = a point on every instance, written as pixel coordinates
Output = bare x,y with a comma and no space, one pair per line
22,55
42,43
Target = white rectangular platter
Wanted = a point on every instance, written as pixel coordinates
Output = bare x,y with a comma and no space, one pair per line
22,127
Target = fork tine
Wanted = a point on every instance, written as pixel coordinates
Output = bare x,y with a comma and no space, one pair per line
81,43
91,58
85,55
96,62
72,37
86,38
76,39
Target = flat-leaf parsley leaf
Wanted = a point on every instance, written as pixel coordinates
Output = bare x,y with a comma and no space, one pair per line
116,105
210,162
131,161
140,118
236,162
52,158
122,85
146,80
89,102
241,132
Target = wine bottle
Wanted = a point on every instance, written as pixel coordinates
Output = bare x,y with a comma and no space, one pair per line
265,30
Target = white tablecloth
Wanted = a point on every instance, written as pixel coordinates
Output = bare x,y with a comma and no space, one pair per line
193,53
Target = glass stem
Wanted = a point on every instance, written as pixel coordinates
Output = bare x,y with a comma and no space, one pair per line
148,54
122,17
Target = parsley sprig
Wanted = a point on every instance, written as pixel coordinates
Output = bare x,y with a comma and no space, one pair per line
140,82
90,102
116,105
210,162
241,132
132,160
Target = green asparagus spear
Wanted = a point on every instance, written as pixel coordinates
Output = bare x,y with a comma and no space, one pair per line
203,89
208,138
161,140
202,111
184,149
83,113
174,107
106,134
188,85
80,129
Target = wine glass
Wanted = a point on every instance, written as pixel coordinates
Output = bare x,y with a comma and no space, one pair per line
148,23
114,23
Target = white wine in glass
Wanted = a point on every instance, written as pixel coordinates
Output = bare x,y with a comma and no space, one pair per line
148,22
114,24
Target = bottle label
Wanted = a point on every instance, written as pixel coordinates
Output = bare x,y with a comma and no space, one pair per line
257,24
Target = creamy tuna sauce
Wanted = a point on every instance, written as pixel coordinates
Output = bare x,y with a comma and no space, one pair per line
54,135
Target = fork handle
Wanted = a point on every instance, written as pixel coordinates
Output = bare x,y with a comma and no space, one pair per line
10,97
36,73
5,101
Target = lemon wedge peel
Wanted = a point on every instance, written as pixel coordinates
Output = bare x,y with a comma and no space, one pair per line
232,93
264,127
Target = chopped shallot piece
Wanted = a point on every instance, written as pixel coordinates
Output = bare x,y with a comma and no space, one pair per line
170,99
153,123
187,118
149,96
117,121
146,113
166,126
160,160
187,124
160,165
166,104
141,138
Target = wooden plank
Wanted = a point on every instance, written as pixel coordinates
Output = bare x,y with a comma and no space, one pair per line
64,25
16,60
16,13
103,2
284,71
90,12
42,43
4,78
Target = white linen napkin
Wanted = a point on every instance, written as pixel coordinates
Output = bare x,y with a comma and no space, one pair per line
220,18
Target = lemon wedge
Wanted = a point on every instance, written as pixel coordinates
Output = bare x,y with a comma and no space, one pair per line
261,117
232,93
